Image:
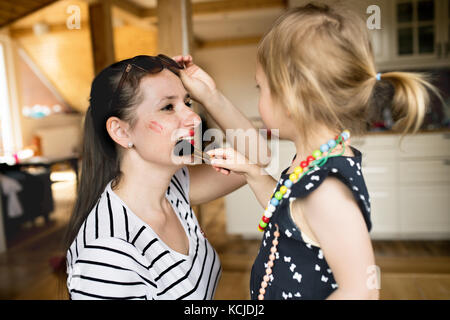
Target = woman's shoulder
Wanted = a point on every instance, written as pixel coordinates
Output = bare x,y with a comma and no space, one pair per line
113,262
179,185
181,177
109,219
110,251
117,246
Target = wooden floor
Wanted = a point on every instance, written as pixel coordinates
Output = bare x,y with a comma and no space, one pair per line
409,269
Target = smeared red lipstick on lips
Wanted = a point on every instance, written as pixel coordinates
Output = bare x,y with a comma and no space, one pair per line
191,134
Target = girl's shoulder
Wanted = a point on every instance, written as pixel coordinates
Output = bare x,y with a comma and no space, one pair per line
346,169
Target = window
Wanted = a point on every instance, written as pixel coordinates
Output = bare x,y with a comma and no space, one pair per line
6,141
416,27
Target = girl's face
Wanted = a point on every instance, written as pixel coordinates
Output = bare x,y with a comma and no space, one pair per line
272,114
164,116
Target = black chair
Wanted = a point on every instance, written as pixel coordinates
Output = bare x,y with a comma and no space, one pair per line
35,198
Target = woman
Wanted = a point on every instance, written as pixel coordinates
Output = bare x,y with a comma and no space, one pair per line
133,233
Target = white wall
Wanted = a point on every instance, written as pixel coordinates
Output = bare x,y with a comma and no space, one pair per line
233,69
31,126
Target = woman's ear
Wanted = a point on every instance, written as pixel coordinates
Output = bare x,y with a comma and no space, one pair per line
118,131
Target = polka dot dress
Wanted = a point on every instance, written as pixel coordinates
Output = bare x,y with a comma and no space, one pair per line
300,270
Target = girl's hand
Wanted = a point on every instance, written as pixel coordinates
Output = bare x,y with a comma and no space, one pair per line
228,159
196,81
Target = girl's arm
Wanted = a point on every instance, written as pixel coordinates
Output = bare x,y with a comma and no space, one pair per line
202,88
337,223
207,184
261,183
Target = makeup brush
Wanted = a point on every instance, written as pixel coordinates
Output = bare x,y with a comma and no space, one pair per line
184,148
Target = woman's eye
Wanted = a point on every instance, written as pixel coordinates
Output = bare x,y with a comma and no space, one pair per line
169,107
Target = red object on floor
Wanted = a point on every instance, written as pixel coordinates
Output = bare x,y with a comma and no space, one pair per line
57,263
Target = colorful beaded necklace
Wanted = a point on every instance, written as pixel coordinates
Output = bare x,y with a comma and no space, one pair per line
318,158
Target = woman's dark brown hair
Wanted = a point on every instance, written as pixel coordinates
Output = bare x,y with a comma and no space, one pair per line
101,156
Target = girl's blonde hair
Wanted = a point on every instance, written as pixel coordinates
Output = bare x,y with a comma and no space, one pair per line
319,65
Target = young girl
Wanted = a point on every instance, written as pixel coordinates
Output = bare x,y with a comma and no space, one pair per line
317,80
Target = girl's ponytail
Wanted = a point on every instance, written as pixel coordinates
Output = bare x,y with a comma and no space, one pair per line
410,100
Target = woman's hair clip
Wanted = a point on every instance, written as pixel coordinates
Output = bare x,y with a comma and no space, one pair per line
378,76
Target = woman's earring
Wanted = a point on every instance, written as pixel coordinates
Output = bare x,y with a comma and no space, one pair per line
130,145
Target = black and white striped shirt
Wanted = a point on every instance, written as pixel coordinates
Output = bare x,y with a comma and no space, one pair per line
116,255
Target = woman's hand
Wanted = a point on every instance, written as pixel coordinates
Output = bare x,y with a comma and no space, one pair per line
228,159
196,81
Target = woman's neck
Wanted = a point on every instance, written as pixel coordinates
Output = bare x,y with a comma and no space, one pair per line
143,185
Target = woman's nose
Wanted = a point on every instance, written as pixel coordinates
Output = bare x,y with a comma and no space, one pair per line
191,119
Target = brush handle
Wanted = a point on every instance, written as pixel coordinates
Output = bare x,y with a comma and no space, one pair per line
209,159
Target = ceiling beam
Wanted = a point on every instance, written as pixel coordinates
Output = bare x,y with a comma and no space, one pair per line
130,7
230,42
203,8
102,38
175,27
214,7
19,32
16,11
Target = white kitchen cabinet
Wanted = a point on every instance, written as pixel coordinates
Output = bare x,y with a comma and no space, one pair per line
408,183
380,170
424,172
424,196
430,146
418,32
424,211
384,212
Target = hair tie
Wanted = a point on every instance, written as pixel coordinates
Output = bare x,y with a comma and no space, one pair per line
378,76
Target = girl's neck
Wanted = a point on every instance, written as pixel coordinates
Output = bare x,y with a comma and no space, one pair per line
306,146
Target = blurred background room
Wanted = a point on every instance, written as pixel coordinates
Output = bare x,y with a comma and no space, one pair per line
50,51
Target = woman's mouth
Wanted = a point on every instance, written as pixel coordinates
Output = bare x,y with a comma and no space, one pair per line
189,138
184,147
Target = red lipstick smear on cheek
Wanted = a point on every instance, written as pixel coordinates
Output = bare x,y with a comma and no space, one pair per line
155,126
